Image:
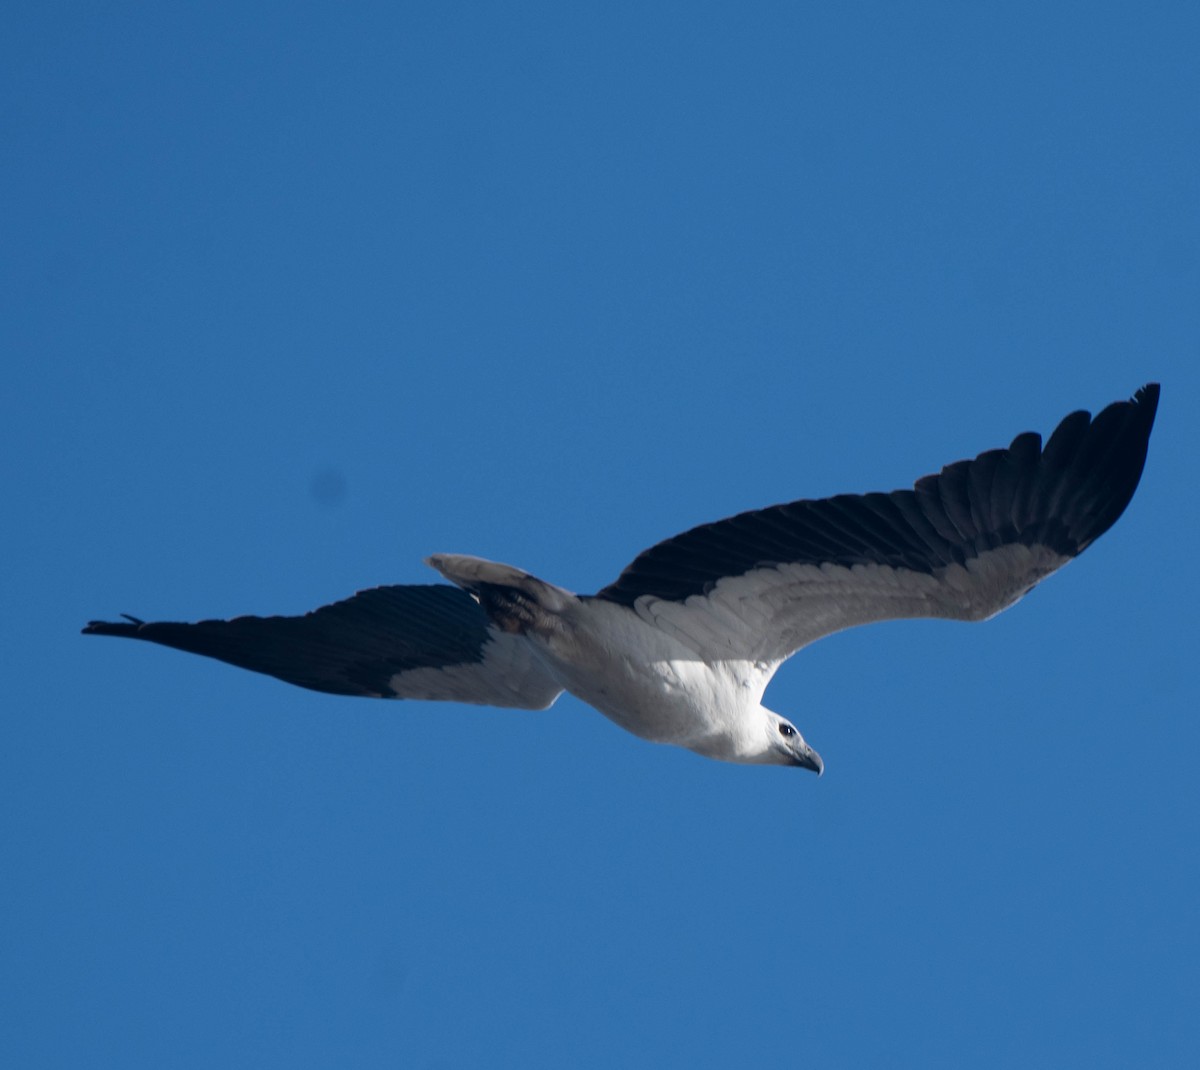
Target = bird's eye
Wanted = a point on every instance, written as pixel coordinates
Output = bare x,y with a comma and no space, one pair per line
786,730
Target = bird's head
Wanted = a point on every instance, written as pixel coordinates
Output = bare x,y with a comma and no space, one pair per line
786,746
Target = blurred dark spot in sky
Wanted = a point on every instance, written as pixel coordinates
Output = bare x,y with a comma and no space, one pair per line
391,970
328,487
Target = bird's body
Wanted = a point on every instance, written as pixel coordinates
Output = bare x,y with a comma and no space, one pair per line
651,682
680,648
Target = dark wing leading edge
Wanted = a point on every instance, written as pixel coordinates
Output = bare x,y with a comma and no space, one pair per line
425,642
964,543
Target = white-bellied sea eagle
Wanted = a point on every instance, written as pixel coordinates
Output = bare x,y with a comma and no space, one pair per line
681,646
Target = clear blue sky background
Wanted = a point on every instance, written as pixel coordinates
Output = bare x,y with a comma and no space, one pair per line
296,294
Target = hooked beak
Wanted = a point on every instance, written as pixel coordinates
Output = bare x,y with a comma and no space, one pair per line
810,759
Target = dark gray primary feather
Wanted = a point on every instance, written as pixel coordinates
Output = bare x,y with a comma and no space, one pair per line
1063,497
352,647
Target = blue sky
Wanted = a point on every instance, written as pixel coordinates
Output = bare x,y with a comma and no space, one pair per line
294,295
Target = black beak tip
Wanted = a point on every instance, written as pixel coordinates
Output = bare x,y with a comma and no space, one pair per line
811,760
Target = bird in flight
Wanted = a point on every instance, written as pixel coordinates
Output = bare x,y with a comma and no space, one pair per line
681,646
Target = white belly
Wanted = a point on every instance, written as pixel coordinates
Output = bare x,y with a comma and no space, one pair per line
643,679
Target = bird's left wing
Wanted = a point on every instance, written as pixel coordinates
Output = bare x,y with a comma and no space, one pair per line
427,641
962,544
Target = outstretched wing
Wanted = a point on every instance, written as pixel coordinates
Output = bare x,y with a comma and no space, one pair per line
964,544
425,641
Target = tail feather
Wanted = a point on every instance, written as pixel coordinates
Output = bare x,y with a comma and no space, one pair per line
510,596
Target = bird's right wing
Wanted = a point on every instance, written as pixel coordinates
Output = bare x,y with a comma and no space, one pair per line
962,544
428,641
